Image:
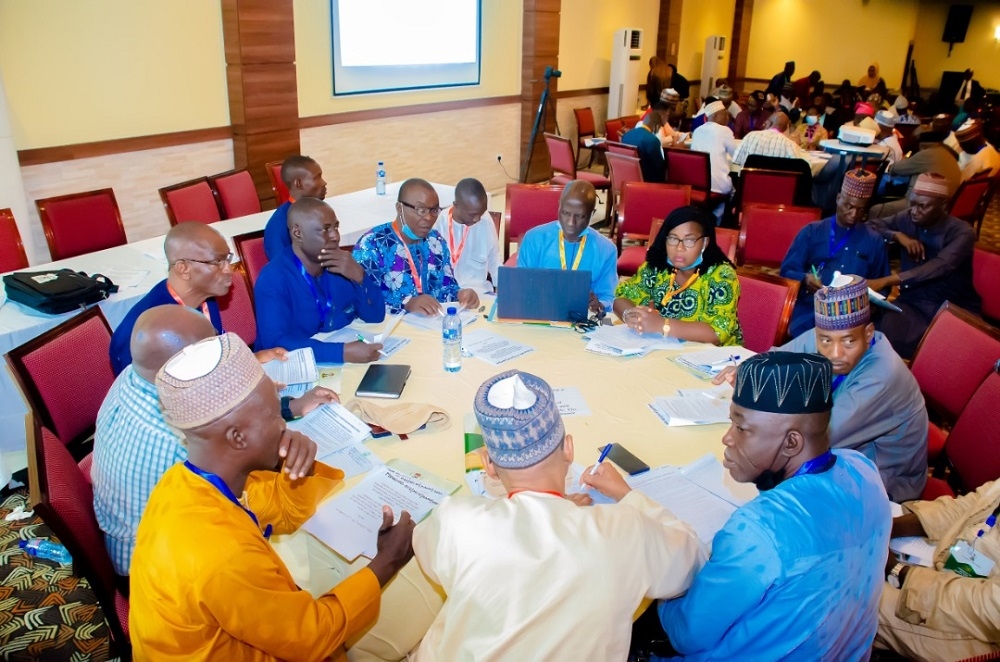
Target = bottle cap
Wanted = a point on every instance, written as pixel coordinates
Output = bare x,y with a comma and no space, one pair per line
452,310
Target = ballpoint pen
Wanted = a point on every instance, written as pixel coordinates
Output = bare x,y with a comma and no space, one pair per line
604,454
361,338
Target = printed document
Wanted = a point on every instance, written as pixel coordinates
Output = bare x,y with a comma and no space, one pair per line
570,402
390,345
675,411
298,368
710,362
332,427
492,348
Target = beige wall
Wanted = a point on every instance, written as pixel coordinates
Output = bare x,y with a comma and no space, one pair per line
86,71
598,103
700,20
980,51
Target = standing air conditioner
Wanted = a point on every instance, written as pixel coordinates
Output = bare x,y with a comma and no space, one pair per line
626,67
711,64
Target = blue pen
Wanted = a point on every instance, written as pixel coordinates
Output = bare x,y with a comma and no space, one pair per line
604,454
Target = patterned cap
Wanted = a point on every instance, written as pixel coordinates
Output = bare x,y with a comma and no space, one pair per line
886,118
670,94
723,92
207,380
864,108
970,130
520,419
713,108
785,383
858,184
932,184
839,308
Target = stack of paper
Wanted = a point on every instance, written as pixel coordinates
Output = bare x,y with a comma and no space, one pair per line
298,372
711,361
433,322
677,410
492,348
338,434
915,550
620,340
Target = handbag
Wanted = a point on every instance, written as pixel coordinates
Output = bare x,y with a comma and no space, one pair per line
59,291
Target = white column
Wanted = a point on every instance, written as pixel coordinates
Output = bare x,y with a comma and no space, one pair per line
11,186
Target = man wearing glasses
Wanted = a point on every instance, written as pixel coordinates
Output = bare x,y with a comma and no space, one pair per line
410,259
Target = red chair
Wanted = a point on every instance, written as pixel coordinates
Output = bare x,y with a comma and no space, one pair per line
973,198
190,201
250,248
81,223
622,148
585,128
281,195
563,164
527,206
955,355
727,239
62,496
764,308
986,280
973,447
629,122
12,255
235,193
623,169
640,204
770,187
236,308
613,129
694,168
767,231
65,373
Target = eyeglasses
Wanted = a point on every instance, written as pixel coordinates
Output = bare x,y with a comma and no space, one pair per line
688,242
422,211
218,263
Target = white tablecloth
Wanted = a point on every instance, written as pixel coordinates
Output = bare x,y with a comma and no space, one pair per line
358,212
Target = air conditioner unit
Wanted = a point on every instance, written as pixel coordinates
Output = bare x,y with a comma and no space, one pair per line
626,68
711,64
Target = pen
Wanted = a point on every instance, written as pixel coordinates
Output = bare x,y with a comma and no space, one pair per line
604,454
815,273
734,359
361,338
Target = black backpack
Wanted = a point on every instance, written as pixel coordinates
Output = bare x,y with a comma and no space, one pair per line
56,292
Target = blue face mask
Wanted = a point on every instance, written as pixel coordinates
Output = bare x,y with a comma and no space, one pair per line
693,265
408,232
811,119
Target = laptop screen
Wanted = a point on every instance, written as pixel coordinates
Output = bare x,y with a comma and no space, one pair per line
544,295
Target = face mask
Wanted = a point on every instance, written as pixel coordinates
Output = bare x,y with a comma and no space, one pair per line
408,232
811,119
693,265
769,479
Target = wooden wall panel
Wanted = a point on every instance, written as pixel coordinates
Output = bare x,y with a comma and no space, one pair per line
540,48
739,45
668,32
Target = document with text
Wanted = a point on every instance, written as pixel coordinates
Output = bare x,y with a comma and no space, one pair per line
299,367
492,348
332,427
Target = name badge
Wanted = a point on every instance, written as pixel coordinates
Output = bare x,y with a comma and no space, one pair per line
964,560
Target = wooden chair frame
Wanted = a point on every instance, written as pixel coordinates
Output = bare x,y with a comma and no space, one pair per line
43,215
218,195
979,212
7,216
191,182
579,113
274,176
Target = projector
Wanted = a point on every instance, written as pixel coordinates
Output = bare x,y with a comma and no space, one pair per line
855,135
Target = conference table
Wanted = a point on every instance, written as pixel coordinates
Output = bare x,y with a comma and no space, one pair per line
137,267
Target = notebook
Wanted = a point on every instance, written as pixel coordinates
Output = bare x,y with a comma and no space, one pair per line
383,381
542,295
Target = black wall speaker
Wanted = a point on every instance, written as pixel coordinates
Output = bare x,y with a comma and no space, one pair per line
957,24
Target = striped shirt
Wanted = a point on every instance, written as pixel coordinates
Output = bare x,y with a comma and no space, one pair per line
768,142
133,447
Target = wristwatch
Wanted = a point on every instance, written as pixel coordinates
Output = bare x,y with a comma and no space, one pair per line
893,576
666,328
286,408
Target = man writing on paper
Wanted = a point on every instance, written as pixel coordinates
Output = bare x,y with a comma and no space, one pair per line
304,179
410,259
569,243
566,579
471,236
935,613
796,573
133,445
206,583
314,287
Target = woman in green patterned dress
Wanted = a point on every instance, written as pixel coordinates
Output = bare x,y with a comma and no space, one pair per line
687,287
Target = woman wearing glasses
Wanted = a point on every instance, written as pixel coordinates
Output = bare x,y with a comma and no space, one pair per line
687,287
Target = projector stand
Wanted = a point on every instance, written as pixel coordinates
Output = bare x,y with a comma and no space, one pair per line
539,121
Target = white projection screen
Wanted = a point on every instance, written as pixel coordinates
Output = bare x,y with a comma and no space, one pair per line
384,45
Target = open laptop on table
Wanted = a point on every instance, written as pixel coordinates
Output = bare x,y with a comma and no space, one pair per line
542,295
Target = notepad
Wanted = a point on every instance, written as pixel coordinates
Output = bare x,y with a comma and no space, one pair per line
383,381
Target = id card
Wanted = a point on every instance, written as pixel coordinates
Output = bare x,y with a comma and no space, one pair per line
964,560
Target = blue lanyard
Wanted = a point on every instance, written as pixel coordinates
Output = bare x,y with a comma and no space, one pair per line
323,308
226,492
818,465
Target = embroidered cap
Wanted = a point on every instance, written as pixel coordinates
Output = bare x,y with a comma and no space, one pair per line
932,184
520,419
207,380
886,118
970,130
785,383
844,307
713,108
669,94
858,183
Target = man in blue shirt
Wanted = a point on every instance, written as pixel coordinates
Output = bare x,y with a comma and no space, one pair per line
840,243
645,137
796,573
570,243
314,287
304,179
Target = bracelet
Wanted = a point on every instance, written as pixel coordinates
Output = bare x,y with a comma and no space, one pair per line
666,328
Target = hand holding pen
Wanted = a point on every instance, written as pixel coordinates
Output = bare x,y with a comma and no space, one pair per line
605,479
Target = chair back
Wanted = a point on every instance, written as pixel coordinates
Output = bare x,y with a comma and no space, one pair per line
250,248
613,129
12,255
236,308
621,148
64,499
561,157
623,169
281,194
972,197
644,201
764,308
192,200
767,231
986,280
585,126
727,239
528,206
81,223
770,187
973,447
235,193
953,358
629,122
688,166
65,373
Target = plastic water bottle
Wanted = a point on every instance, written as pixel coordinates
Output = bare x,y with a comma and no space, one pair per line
45,549
451,332
380,178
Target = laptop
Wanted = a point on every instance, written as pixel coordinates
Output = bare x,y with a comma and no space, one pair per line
542,295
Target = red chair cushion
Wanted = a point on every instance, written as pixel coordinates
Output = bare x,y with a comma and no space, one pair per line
631,259
512,260
238,194
986,279
236,309
253,256
599,181
84,225
973,447
936,438
935,488
194,203
760,310
85,464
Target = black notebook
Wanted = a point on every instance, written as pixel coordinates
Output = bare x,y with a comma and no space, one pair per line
383,381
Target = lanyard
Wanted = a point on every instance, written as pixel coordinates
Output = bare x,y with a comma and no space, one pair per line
817,465
220,485
579,251
417,280
322,307
204,304
513,492
456,253
668,295
834,246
